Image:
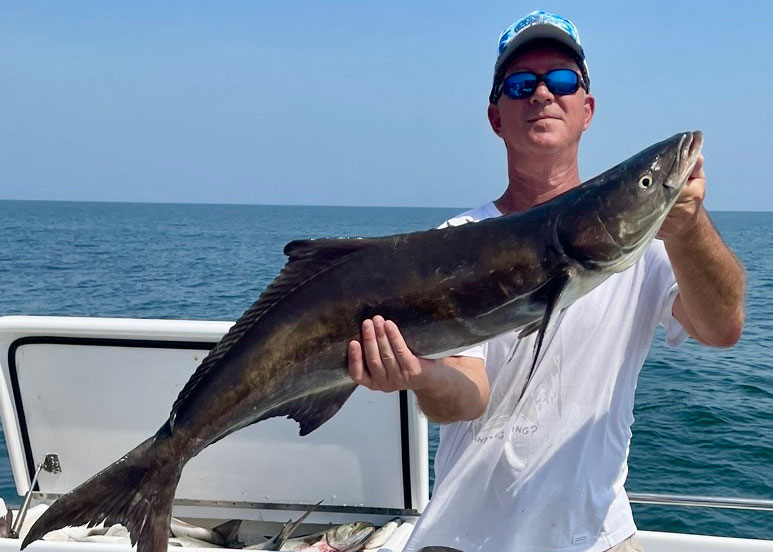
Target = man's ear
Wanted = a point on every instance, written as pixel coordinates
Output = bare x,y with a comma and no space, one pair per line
495,119
590,109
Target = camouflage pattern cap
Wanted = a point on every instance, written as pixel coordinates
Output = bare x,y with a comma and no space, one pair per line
537,25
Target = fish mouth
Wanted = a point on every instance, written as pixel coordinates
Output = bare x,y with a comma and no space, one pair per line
686,157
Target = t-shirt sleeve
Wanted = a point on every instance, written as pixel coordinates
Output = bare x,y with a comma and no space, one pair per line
456,221
675,332
661,277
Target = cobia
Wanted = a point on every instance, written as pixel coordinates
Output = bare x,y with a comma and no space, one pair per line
445,289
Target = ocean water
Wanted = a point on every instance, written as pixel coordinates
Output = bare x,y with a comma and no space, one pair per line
704,417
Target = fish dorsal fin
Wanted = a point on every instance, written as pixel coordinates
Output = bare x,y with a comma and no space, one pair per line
306,260
229,531
277,541
325,250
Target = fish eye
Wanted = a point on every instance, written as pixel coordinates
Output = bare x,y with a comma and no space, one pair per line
645,181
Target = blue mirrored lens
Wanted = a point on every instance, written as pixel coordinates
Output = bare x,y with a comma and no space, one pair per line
559,81
520,85
562,81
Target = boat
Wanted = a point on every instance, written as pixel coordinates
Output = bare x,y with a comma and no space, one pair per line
77,393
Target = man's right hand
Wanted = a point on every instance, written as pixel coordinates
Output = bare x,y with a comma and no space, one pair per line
449,390
383,362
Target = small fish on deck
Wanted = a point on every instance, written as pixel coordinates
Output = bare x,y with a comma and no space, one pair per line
348,537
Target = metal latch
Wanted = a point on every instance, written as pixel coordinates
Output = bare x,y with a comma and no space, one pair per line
51,465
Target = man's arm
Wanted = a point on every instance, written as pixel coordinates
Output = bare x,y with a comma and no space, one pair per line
449,390
710,278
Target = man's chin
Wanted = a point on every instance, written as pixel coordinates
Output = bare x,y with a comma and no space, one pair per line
546,140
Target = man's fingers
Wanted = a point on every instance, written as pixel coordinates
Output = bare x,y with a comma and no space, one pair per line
357,370
384,347
396,340
685,211
404,356
697,171
372,354
382,361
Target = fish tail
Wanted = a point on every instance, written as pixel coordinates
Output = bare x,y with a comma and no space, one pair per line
136,491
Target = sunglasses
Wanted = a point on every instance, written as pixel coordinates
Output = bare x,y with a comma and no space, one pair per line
523,84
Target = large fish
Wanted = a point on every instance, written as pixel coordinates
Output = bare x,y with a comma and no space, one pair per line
446,290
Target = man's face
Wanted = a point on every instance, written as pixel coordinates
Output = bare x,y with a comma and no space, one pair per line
544,123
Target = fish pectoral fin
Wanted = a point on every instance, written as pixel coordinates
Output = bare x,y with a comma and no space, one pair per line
552,298
314,409
529,329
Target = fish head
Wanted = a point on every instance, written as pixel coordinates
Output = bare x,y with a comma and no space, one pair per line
612,218
350,535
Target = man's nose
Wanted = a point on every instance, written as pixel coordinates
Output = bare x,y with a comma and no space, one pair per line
542,94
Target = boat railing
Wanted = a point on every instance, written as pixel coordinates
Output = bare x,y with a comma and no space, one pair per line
759,504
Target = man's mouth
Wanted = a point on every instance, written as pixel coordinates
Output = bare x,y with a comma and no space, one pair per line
540,118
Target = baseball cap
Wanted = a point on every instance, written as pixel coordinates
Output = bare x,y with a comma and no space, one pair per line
539,25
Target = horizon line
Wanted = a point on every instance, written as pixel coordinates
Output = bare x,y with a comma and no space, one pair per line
299,205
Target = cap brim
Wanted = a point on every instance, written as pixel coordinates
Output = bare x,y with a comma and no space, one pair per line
535,32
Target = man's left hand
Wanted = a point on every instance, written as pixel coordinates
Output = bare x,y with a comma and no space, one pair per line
684,213
711,283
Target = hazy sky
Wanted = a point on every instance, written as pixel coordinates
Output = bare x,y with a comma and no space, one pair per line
354,103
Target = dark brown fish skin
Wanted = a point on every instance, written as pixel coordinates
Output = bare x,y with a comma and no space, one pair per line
445,289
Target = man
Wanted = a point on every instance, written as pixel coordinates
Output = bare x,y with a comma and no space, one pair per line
544,470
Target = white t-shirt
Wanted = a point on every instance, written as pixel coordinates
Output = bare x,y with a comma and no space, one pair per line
545,472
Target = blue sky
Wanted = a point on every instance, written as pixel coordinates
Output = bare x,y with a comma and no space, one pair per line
354,103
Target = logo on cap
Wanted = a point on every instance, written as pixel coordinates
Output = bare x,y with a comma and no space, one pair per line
538,17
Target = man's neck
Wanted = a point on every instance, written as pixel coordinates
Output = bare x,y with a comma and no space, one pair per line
536,180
